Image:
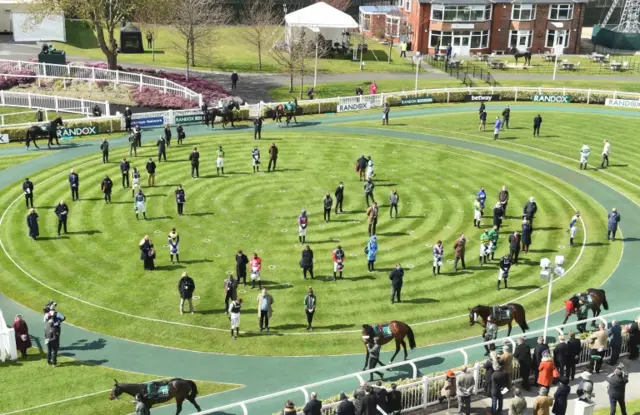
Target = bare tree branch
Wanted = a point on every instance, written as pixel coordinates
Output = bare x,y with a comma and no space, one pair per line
260,21
342,5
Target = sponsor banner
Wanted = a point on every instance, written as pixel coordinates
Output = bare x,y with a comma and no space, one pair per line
185,119
626,103
359,106
560,99
4,138
417,100
69,133
472,98
148,122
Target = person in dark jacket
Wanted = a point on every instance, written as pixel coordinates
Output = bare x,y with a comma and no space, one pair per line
361,166
186,287
273,157
345,407
385,114
561,356
127,118
339,194
514,247
314,406
105,151
234,80
373,347
506,114
530,210
147,253
368,191
327,204
39,116
369,402
498,214
74,183
257,128
310,303
32,224
181,134
499,381
522,354
124,169
62,212
612,224
526,235
615,342
395,400
107,187
382,396
230,290
151,170
358,396
194,158
561,396
52,340
539,350
503,199
167,135
537,122
396,282
306,262
162,149
27,188
482,125
137,134
617,384
241,267
181,199
634,339
573,353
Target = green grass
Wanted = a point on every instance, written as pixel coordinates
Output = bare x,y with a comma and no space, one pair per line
224,50
538,66
74,379
252,212
17,115
633,408
10,161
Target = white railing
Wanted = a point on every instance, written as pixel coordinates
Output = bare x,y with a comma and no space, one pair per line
91,74
114,121
52,102
421,393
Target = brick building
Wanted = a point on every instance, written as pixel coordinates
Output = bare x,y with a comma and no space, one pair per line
478,26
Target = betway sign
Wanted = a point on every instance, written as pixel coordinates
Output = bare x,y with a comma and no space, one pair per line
77,132
625,103
566,99
354,107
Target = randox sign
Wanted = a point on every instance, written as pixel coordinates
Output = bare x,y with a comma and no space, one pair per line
71,132
560,99
185,119
416,101
354,107
472,98
625,103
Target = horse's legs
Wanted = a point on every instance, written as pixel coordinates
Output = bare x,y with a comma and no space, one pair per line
509,332
366,359
194,403
179,405
397,351
596,313
404,347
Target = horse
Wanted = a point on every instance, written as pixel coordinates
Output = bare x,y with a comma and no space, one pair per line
599,298
180,389
281,111
517,314
399,331
49,132
518,54
226,113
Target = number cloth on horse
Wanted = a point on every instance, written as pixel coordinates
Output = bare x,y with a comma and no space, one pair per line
382,330
499,313
157,390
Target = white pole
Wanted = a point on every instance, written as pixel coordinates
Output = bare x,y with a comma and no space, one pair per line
417,68
555,66
315,70
546,316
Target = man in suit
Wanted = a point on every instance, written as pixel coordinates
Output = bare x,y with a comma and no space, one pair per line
372,215
530,210
241,267
506,114
395,400
499,381
368,191
539,350
186,287
162,149
394,199
561,356
74,183
327,203
133,145
107,186
167,135
369,402
358,397
257,128
382,396
127,118
537,122
137,134
465,385
458,248
615,342
62,212
124,169
612,224
522,354
273,157
314,406
151,169
230,285
514,247
617,383
498,215
503,198
599,342
573,353
105,151
346,407
396,277
339,194
194,158
27,188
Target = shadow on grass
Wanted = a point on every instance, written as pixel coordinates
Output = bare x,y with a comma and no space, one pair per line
85,345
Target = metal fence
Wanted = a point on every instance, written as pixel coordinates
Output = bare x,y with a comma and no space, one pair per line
425,391
91,74
52,102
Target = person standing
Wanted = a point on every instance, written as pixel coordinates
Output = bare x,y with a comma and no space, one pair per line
162,149
310,303
540,349
499,382
135,181
545,370
206,116
498,214
273,157
303,222
484,247
496,128
124,169
481,197
140,201
21,331
32,224
503,198
234,80
573,227
234,316
219,161
174,245
494,237
194,158
107,187
372,215
518,403
52,340
257,128
396,277
137,133
458,249
615,342
542,403
265,302
127,119
255,157
327,203
339,194
584,157
605,153
529,211
506,114
133,144
503,271
372,251
338,262
167,134
104,146
306,262
482,126
561,396
229,285
438,255
477,213
345,407
613,218
394,199
373,347
361,166
537,122
181,199
241,267
368,191
181,134
370,169
151,170
186,287
522,354
617,383
514,247
256,265
74,182
403,49
465,385
27,188
147,253
573,354
560,355
62,212
385,113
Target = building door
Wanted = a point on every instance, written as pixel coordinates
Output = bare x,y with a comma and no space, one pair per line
461,45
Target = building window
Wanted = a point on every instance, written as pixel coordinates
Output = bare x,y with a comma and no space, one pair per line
365,21
520,39
458,38
444,13
407,5
557,37
392,27
561,12
523,12
480,40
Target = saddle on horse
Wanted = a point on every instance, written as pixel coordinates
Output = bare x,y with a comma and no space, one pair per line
500,313
157,390
382,330
578,300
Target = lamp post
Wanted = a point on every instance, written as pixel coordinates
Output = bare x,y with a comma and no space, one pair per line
557,52
418,61
548,273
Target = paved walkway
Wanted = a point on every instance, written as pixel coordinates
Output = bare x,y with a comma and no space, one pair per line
262,375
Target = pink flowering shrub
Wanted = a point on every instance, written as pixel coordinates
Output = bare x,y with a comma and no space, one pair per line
13,81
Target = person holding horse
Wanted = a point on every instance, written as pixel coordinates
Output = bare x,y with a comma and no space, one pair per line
373,347
490,333
141,407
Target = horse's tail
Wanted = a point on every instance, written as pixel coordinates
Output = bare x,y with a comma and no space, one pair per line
412,339
194,389
605,304
520,310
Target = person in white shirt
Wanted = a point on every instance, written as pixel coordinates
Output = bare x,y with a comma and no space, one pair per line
605,153
584,156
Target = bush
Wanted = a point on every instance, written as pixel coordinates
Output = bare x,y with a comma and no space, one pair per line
104,126
13,81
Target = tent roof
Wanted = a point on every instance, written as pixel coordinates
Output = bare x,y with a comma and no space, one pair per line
320,15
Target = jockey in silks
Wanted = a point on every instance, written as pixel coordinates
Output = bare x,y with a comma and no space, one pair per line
135,182
370,172
573,227
584,156
438,254
477,213
482,197
139,204
484,247
493,238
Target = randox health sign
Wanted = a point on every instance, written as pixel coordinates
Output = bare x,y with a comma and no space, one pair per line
69,133
186,119
558,99
359,106
416,100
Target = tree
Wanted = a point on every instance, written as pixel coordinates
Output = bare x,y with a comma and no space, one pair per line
259,19
286,56
342,5
153,14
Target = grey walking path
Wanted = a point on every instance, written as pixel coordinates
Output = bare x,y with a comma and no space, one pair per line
262,375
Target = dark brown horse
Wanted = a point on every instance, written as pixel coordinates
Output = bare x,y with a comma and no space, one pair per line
598,298
526,55
46,131
180,389
517,314
282,111
399,331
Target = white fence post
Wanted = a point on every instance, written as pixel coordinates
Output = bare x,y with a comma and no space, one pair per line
57,104
29,99
589,95
107,108
117,77
44,69
140,82
93,74
425,391
19,65
476,377
2,97
516,98
69,70
615,93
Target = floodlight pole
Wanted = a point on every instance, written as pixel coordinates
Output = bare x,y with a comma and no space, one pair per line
546,316
315,70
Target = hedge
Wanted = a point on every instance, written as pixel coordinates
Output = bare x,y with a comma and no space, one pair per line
104,126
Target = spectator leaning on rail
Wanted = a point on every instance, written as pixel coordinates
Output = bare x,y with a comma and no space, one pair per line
345,407
314,406
465,385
